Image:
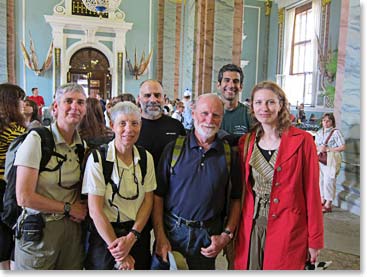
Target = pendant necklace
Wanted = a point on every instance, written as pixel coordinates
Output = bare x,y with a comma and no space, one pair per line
272,148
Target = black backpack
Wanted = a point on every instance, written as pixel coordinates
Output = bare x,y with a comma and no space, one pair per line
11,210
108,165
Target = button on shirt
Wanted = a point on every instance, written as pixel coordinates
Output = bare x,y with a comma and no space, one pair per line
93,183
196,190
29,155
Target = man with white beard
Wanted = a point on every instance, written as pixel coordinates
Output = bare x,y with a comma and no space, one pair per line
157,129
191,198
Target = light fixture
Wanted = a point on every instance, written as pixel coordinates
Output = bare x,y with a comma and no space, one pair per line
102,6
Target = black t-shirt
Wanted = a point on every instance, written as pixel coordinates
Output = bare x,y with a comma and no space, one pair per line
156,134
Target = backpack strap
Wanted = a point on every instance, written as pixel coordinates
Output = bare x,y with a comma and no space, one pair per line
80,150
177,149
107,166
142,162
48,149
227,152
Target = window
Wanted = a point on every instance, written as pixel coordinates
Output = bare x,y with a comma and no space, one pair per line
301,57
299,64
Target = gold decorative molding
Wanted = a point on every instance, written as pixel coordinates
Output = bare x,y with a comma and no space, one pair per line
325,2
281,16
268,4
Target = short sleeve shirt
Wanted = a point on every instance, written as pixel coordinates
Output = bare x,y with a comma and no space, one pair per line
335,140
197,187
94,183
29,155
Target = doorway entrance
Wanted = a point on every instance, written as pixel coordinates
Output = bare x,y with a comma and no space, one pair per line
90,68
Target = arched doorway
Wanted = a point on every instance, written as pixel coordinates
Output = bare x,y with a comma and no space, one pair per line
90,68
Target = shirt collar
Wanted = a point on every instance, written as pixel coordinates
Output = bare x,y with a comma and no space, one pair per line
111,153
60,139
216,144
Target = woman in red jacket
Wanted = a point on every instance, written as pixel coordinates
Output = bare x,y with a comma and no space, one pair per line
281,225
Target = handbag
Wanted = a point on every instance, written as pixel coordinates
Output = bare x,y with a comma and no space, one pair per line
229,249
323,155
323,158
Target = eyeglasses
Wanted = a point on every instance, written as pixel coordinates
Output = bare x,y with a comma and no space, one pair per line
116,189
117,192
60,160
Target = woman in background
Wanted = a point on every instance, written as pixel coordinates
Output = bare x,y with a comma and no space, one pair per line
30,112
11,125
281,226
92,127
335,144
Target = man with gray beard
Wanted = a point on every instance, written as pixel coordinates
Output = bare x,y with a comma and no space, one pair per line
191,198
157,129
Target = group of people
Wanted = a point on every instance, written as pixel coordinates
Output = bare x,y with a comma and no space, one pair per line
242,175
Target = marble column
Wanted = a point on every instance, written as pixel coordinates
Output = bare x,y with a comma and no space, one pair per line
237,32
169,46
178,50
188,48
223,37
160,40
347,104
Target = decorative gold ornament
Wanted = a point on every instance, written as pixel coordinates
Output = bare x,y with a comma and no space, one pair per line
139,69
281,15
268,4
31,59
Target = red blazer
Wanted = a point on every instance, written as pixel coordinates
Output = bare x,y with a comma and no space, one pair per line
295,220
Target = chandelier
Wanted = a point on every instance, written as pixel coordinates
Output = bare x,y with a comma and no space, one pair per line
102,6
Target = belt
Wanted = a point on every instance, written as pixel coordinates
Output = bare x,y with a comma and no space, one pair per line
194,223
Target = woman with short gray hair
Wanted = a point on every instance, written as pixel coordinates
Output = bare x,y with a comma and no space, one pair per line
52,209
120,200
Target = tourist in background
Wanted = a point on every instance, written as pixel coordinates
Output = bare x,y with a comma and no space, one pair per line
236,119
330,140
92,128
30,112
178,113
38,99
12,124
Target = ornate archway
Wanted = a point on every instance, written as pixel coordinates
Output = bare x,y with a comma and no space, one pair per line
90,68
74,32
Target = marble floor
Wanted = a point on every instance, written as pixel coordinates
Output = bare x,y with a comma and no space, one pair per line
342,241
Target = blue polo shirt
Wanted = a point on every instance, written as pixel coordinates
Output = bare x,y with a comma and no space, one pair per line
196,189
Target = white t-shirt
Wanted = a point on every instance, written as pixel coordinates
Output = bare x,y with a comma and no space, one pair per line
93,183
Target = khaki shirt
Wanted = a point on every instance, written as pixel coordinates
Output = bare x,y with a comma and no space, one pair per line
29,155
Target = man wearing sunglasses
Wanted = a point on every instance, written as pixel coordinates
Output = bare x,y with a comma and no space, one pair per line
49,233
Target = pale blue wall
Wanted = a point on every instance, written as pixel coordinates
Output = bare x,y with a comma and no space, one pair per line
41,35
136,12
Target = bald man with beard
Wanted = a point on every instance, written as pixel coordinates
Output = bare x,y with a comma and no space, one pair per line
190,199
157,128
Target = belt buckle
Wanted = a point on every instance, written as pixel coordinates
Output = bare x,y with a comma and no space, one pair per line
194,224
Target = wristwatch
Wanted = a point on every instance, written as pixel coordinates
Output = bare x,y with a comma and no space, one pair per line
67,208
228,233
136,234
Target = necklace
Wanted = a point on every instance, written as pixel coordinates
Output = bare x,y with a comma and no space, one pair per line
274,146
